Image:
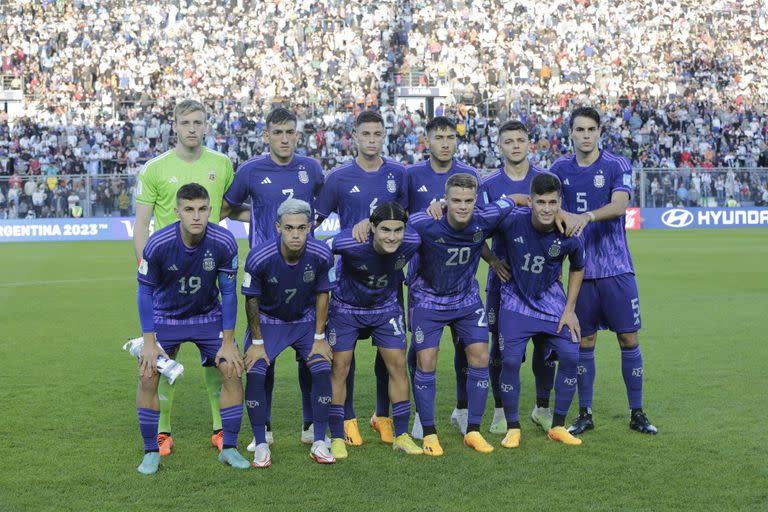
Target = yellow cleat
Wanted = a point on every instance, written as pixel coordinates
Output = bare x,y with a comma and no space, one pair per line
431,446
404,442
352,433
338,448
561,435
476,441
512,439
383,425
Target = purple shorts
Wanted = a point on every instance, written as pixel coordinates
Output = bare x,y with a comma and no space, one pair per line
387,330
515,330
468,324
207,348
278,337
609,303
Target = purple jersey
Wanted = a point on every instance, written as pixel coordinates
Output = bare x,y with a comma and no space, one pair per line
495,186
287,292
426,186
354,193
266,185
446,279
590,188
536,259
367,281
185,279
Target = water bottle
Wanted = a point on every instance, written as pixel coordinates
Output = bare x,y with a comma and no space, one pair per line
169,368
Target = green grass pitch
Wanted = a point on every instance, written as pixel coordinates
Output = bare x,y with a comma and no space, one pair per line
70,437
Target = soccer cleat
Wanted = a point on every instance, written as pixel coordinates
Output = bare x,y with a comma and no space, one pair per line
383,425
476,441
262,457
499,423
542,416
339,448
405,443
231,457
321,453
165,442
582,424
270,437
149,463
431,446
217,440
512,439
640,422
352,433
270,441
417,432
308,436
459,420
561,435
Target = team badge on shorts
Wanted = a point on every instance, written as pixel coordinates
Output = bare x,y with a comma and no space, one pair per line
491,316
400,263
212,175
309,274
478,236
599,181
209,263
391,185
303,176
418,335
554,249
332,337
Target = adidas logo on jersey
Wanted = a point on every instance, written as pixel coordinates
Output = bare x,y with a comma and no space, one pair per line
266,181
173,179
566,182
440,241
173,268
520,240
273,280
354,189
423,188
362,267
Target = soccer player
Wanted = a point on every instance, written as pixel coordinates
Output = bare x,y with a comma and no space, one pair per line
533,303
156,191
513,178
354,190
445,292
596,186
367,302
286,286
178,301
265,182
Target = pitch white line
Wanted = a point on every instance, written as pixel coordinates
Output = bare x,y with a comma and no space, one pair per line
64,281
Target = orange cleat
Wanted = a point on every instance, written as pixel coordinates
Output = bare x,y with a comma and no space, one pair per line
217,440
165,442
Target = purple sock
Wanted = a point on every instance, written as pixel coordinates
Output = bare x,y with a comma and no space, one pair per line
565,383
424,394
401,415
382,386
349,403
632,371
269,387
336,421
321,396
510,387
305,385
256,399
543,372
231,418
148,420
586,377
477,393
460,366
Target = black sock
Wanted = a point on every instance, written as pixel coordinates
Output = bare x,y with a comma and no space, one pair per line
473,427
166,433
513,424
633,411
228,446
428,431
268,426
216,431
585,411
497,403
461,404
307,424
150,451
558,420
542,402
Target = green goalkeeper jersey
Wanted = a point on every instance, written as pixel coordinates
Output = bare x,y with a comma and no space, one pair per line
162,177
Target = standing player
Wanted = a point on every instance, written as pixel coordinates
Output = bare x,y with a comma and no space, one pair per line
265,182
354,190
596,185
179,301
156,191
533,303
445,292
513,178
286,287
368,303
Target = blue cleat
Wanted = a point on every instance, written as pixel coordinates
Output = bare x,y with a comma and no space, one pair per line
150,463
232,457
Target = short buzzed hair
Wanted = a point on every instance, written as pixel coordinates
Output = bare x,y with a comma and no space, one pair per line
461,180
293,206
188,106
511,126
369,116
280,115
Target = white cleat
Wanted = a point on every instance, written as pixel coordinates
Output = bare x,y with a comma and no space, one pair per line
270,440
459,420
321,453
417,432
499,423
262,457
308,436
542,416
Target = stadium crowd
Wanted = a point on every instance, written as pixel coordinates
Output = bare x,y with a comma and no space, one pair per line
101,77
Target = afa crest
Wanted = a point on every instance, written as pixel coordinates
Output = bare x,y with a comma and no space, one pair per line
478,236
332,337
212,175
554,249
418,335
391,185
309,274
599,181
400,263
209,263
303,176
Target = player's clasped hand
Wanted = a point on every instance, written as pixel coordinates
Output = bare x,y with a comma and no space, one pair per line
577,225
253,354
323,349
570,319
501,269
361,230
148,359
435,210
233,361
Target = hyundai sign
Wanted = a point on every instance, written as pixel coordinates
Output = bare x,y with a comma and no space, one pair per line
679,218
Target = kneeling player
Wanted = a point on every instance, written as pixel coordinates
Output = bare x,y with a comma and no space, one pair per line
286,287
179,301
533,304
367,302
